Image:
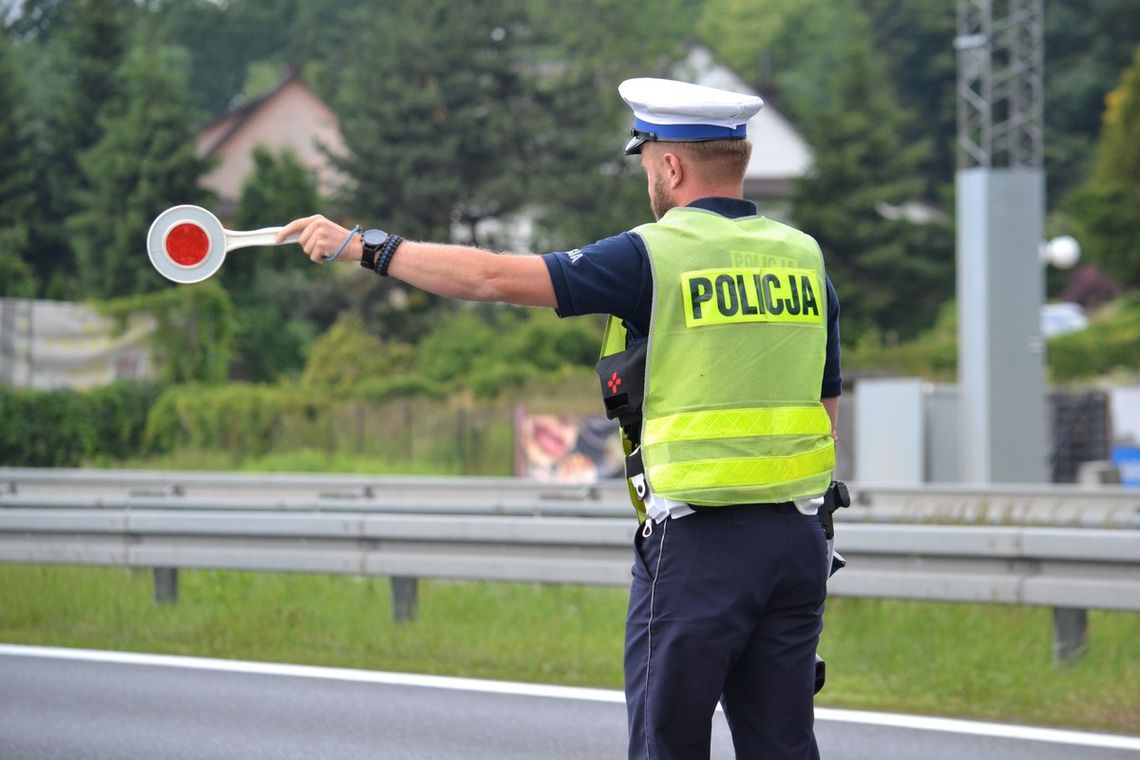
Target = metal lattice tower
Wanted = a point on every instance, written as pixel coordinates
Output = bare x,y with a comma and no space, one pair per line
1000,47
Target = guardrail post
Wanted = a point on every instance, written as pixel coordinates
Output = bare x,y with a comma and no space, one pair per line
1070,633
165,585
405,596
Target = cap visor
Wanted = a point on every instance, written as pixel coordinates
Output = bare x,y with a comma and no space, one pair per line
633,147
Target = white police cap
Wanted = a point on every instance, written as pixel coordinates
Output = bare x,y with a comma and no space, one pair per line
664,109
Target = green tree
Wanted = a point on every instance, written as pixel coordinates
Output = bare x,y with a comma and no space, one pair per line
806,56
87,40
436,123
743,32
1087,44
346,356
1117,159
585,188
38,19
435,120
891,274
915,39
194,329
792,52
17,179
1105,209
144,163
228,40
98,36
280,188
271,333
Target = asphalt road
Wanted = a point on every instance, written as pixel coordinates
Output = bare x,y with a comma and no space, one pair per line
68,704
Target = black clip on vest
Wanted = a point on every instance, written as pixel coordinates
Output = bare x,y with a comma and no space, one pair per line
623,387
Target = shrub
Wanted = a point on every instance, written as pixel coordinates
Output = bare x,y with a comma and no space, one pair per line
65,428
238,417
119,412
1111,341
347,356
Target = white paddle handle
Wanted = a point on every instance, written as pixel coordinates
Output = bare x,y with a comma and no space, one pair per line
264,236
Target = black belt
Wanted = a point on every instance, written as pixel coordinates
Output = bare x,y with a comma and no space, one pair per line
781,506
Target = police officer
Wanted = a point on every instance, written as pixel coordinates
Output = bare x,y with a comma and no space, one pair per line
721,362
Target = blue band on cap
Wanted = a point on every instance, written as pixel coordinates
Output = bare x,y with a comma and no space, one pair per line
691,132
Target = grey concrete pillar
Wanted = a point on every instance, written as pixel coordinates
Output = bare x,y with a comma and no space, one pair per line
1001,286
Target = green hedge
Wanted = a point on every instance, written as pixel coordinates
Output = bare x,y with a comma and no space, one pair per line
402,421
64,428
236,417
1110,342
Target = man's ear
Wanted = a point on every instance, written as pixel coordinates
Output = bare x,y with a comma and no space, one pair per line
674,169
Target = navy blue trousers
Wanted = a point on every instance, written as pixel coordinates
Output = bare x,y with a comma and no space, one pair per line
725,606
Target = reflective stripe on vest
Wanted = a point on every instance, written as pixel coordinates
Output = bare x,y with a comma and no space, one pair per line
737,423
760,471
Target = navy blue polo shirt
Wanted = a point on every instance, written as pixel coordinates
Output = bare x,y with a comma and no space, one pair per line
614,276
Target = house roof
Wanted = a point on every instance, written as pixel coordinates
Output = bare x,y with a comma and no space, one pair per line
215,134
780,155
290,117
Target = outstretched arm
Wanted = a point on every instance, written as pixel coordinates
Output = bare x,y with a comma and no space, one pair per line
453,271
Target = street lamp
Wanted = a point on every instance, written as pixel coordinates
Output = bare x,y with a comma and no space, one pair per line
1062,252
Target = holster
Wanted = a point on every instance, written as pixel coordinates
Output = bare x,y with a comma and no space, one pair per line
836,497
622,376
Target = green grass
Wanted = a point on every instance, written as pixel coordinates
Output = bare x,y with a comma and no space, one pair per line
977,661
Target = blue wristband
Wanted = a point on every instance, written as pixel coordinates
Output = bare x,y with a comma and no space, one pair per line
343,245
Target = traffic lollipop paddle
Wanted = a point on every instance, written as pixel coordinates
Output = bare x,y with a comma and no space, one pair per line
188,244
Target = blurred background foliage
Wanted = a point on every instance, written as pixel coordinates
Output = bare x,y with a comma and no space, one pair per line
456,113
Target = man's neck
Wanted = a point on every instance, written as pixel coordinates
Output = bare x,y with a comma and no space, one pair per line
684,198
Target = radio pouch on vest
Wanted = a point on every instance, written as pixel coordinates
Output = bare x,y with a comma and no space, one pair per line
623,384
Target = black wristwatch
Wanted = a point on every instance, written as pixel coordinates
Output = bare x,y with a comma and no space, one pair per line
373,241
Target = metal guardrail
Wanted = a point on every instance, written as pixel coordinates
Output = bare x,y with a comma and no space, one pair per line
1041,505
1066,547
1010,545
1060,567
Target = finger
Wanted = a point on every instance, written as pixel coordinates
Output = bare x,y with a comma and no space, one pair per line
294,227
310,240
306,235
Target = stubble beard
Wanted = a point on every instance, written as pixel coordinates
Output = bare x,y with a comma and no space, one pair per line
659,199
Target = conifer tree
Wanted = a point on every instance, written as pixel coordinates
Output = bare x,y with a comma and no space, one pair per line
891,274
85,41
585,187
144,163
437,122
435,119
17,179
271,325
279,189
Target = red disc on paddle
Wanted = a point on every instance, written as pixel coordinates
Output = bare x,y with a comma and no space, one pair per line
187,244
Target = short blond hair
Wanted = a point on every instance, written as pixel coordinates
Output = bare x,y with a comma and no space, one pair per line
716,160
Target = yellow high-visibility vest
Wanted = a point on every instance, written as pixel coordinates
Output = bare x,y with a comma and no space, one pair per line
737,346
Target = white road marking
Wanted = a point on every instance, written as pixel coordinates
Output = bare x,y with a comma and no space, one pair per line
917,722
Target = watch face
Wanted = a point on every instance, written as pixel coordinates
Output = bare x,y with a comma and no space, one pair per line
375,238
